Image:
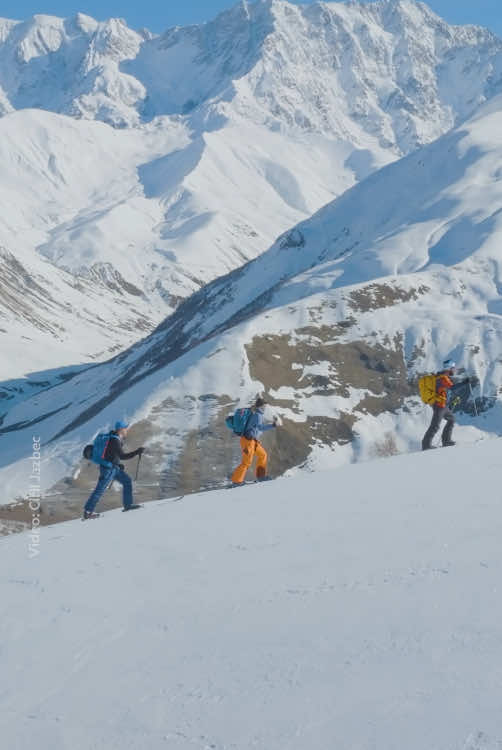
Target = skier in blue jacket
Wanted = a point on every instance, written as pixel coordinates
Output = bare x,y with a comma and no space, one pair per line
111,469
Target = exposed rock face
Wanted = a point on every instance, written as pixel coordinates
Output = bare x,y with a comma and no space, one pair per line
286,360
23,297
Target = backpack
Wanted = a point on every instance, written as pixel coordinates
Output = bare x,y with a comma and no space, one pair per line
97,450
237,422
427,388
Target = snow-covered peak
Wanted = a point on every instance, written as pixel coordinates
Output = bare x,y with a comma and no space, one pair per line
386,70
390,71
85,23
112,40
6,26
40,35
70,66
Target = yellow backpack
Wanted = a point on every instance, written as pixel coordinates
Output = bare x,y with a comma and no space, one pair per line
427,388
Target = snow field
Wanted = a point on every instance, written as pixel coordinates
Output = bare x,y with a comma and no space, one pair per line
353,609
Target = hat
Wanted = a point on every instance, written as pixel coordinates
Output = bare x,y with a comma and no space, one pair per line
259,402
449,364
121,425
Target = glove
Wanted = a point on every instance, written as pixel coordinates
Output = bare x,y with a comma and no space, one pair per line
140,451
275,420
121,467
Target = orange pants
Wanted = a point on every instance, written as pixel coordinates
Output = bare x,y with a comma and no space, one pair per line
250,449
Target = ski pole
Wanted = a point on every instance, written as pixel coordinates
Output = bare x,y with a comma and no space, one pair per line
137,467
473,400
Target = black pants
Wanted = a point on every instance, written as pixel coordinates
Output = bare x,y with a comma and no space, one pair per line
438,414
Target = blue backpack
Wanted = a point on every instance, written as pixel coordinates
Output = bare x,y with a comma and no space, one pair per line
238,421
96,451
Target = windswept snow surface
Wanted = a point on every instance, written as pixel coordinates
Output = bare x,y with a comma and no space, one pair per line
355,609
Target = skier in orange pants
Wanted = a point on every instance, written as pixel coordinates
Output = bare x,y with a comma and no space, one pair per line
251,446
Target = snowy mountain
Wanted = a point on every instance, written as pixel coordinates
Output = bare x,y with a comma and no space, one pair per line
333,323
350,609
154,164
390,70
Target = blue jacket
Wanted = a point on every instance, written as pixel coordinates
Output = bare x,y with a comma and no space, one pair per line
256,426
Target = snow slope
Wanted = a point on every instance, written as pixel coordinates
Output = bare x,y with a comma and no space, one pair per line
113,221
354,609
210,141
62,177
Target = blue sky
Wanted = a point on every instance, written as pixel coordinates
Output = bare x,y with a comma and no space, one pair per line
159,15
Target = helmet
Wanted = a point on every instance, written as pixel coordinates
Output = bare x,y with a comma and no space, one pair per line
449,364
121,425
259,402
